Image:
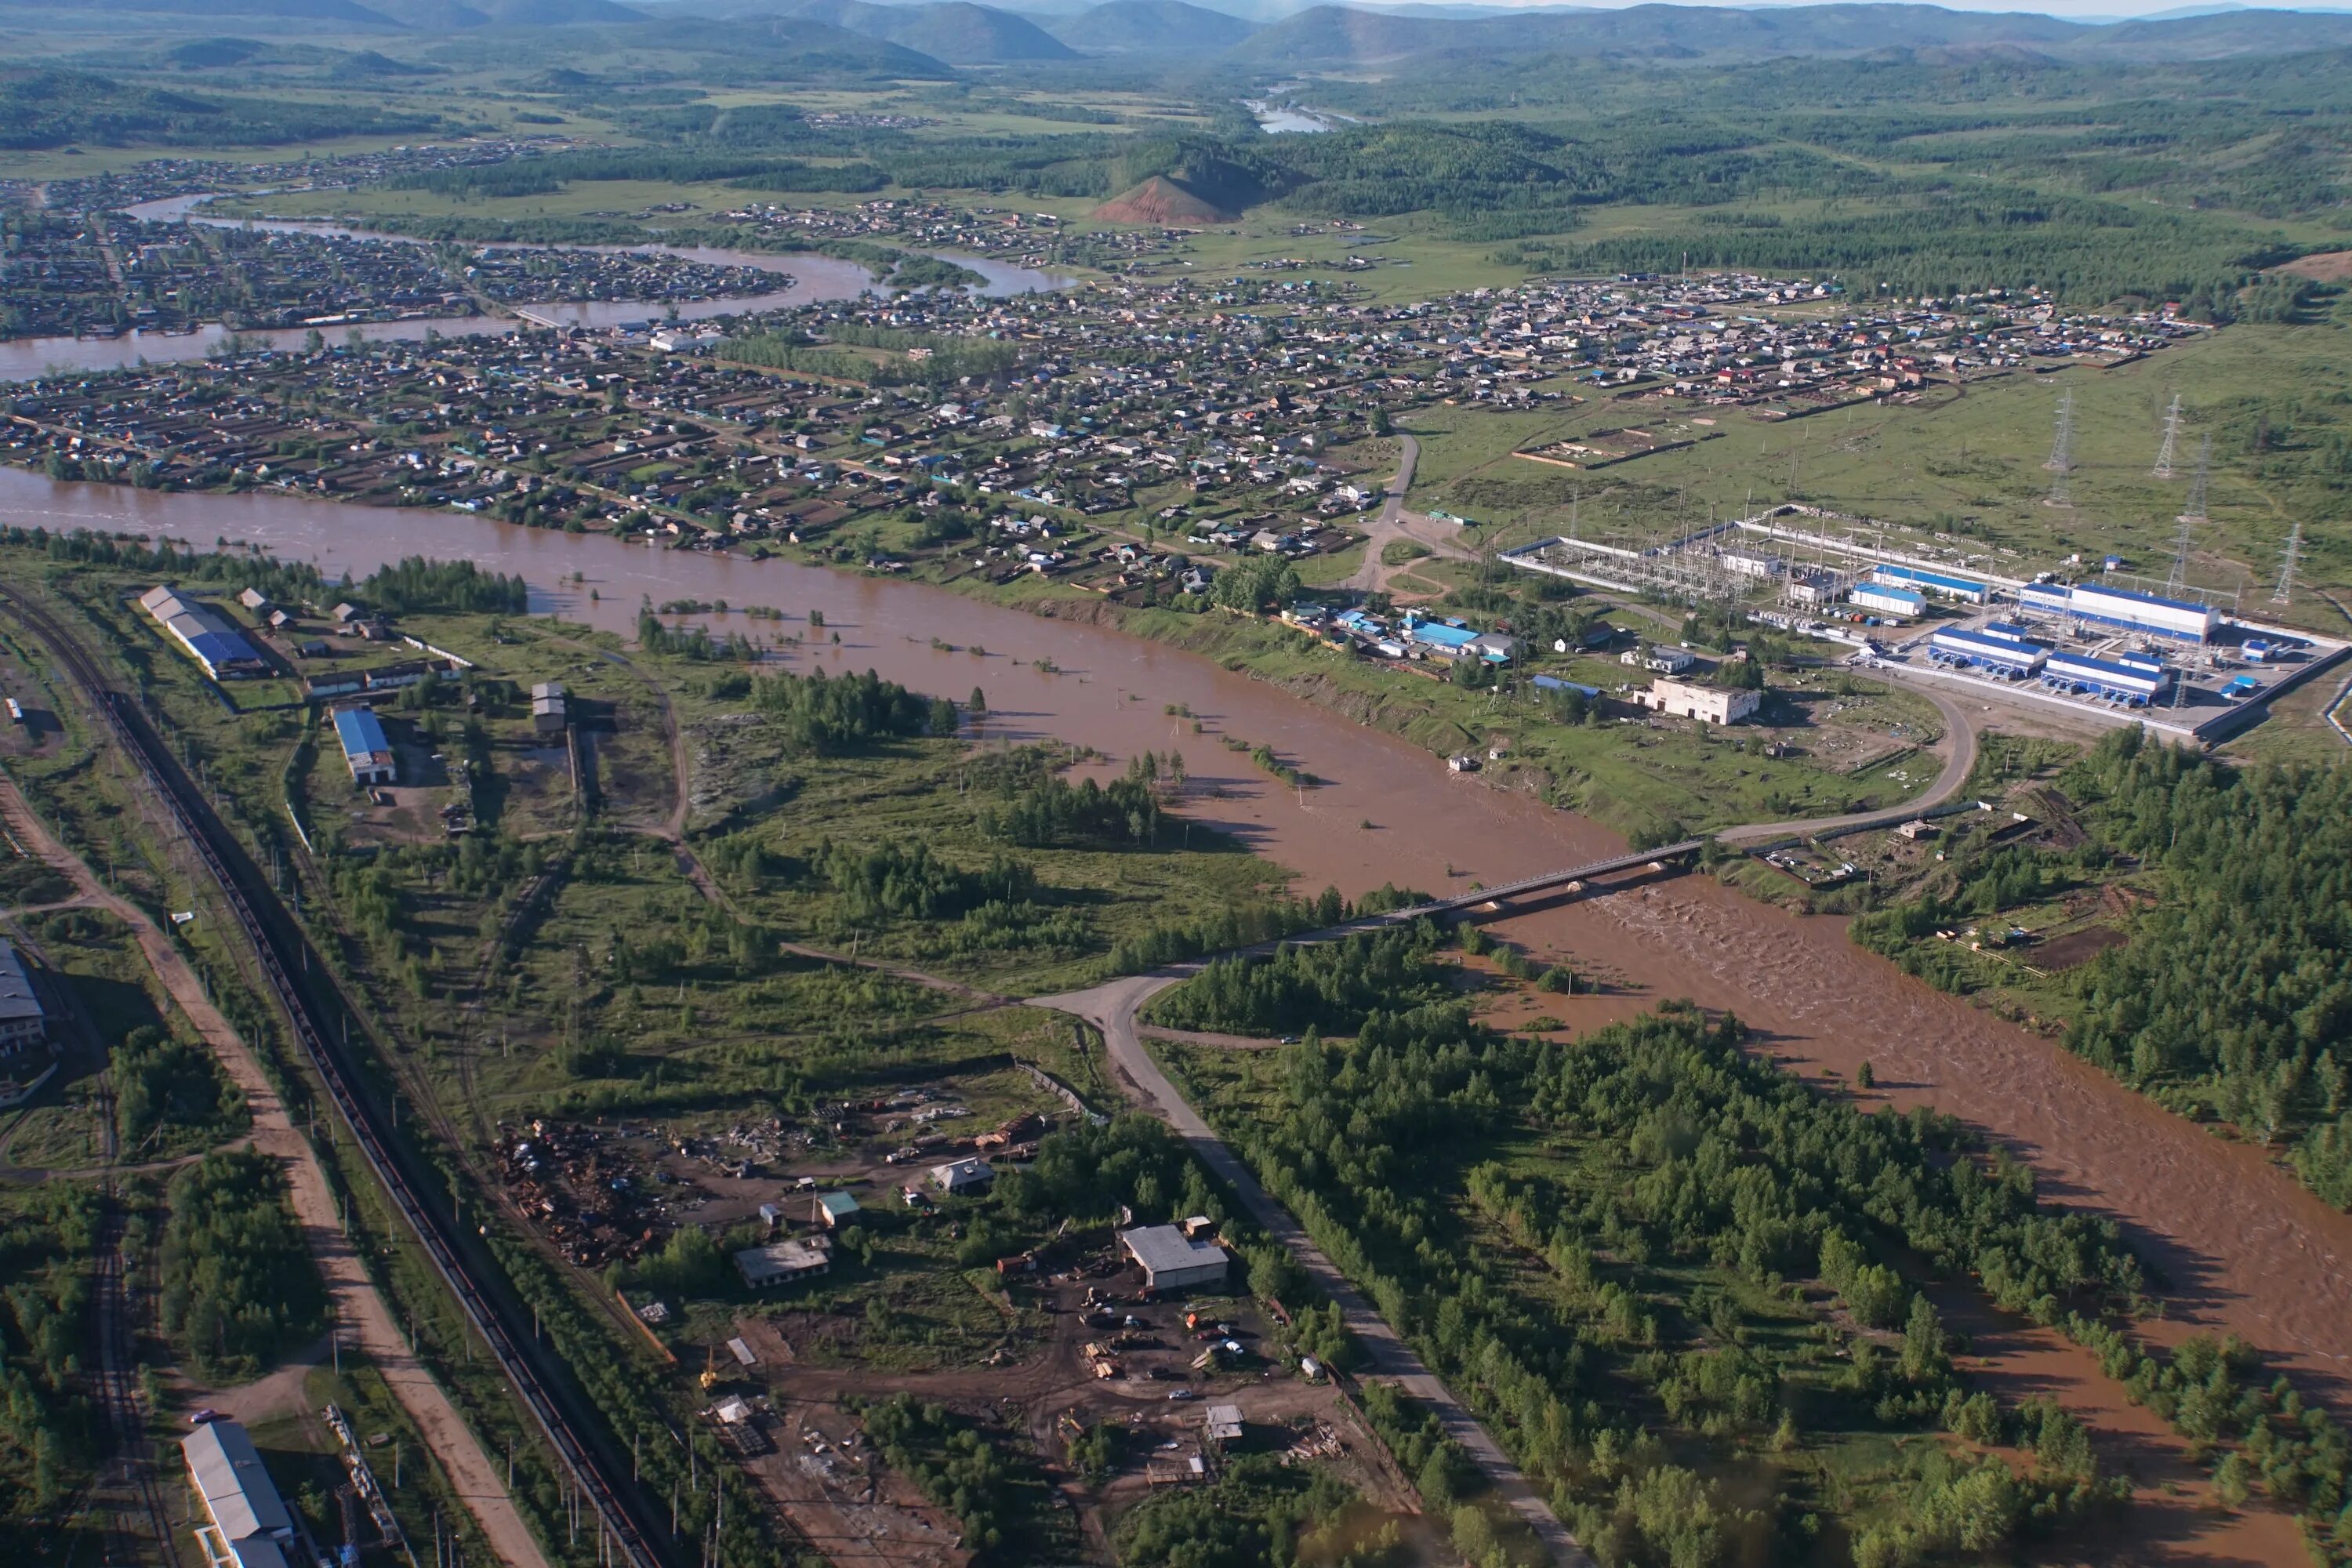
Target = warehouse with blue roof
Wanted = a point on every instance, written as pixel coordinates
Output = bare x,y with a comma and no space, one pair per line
2134,681
366,752
1963,589
203,635
2008,658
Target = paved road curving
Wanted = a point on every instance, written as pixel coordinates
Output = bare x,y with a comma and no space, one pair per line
1112,1007
1960,762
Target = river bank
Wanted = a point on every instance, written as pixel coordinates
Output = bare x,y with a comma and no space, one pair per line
2243,1248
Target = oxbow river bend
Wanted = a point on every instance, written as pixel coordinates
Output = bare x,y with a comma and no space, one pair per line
2243,1248
802,279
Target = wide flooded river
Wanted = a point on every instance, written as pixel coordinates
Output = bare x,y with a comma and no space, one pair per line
2243,1248
802,279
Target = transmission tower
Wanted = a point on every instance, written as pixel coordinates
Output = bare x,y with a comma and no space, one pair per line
2179,577
2163,469
2061,450
2195,510
2289,558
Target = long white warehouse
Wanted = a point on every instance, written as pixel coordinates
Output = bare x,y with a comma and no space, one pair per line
2175,618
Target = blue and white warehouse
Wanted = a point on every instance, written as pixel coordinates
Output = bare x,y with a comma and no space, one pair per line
2175,618
2137,682
1986,650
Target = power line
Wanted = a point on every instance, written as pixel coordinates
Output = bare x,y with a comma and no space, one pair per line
2061,450
2289,558
2163,469
2195,510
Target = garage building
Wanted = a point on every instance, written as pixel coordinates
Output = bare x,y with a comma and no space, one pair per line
1171,1260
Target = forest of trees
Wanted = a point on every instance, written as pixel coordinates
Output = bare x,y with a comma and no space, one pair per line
1672,1150
2231,998
415,585
1331,986
239,1285
48,1428
826,715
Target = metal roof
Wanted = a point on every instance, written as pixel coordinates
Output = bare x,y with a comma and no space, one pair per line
234,1484
18,1000
362,731
1166,1249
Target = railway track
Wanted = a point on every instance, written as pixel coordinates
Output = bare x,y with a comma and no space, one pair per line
118,1391
629,1529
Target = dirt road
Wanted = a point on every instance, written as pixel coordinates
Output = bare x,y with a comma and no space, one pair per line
1112,1007
360,1309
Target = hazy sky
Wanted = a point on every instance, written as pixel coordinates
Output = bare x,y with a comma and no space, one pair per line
2082,10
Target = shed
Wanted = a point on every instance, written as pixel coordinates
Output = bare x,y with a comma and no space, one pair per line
1172,1261
834,1209
1221,1423
550,708
784,1262
963,1175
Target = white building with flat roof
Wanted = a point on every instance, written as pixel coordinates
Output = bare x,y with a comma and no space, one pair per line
1707,704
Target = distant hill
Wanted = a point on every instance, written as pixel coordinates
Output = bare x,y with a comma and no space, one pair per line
748,47
956,31
1343,37
1163,203
2221,35
40,108
460,16
1161,24
30,13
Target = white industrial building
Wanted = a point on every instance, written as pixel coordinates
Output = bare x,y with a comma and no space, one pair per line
245,1520
1707,704
1989,649
1171,1260
1883,599
2176,618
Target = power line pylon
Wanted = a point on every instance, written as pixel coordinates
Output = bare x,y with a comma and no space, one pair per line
2061,450
2195,510
2163,469
2289,558
2179,579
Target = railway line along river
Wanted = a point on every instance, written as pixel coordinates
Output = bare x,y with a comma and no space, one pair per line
2242,1247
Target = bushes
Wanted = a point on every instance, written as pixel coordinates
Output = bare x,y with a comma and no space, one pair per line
1260,1512
161,1082
951,1464
832,714
238,1283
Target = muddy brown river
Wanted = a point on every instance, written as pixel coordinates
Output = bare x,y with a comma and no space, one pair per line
2243,1248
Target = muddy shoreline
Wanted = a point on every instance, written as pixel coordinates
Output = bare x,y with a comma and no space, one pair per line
2243,1248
